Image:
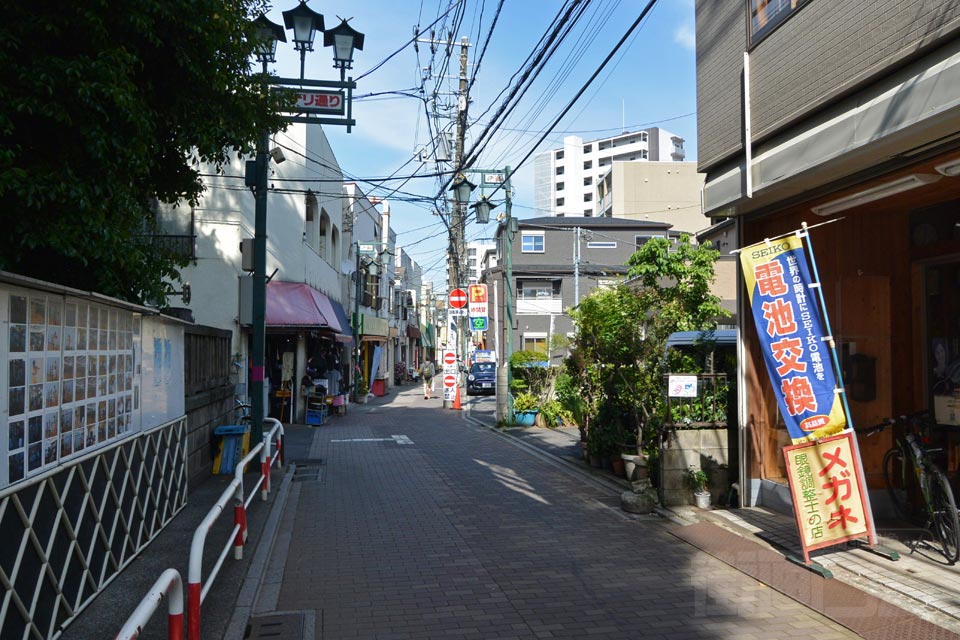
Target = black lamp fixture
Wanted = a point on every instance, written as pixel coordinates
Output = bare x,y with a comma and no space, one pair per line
267,35
344,39
305,23
462,188
482,209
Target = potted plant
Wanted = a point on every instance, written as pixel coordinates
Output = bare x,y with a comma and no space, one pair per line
697,480
362,391
525,409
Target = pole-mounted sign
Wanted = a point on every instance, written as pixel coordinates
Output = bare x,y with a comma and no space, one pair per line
458,298
478,307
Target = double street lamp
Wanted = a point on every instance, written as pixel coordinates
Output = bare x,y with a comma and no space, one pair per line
312,107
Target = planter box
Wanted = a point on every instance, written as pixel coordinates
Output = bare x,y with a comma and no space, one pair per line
698,448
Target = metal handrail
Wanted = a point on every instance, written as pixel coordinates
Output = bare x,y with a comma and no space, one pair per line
196,590
169,584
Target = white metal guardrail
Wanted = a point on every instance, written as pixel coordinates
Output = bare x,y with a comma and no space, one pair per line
70,531
168,584
197,589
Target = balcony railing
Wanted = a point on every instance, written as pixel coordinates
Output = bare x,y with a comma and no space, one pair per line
540,305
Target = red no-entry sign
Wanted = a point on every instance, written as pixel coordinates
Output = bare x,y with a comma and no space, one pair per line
449,357
449,381
458,298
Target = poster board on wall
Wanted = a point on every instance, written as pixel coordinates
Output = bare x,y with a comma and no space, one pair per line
69,378
161,380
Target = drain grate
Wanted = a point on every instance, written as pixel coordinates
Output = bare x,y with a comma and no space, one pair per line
288,626
309,470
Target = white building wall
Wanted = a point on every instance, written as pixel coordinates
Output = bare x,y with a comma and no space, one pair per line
579,166
475,253
225,216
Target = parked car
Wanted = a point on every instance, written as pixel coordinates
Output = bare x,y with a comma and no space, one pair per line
482,378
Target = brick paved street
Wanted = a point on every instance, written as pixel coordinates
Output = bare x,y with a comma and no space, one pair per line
463,534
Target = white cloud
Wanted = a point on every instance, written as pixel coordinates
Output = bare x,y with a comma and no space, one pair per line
684,36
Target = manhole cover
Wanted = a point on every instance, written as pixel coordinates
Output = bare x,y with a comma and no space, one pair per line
288,626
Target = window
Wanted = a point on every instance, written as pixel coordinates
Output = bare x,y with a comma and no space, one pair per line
472,251
531,242
310,230
559,202
588,213
643,138
559,186
765,16
641,240
644,154
559,155
587,148
587,181
535,342
588,164
534,289
559,171
601,245
588,197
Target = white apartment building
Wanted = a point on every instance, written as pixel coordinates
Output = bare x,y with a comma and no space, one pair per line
475,253
565,180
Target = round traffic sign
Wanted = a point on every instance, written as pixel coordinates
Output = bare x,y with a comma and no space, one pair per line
449,357
450,381
458,298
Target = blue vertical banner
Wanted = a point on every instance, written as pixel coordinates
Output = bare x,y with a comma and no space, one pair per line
789,324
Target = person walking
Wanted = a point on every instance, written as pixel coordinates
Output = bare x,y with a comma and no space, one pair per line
427,371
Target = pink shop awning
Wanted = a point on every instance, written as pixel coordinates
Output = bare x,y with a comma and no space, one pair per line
292,304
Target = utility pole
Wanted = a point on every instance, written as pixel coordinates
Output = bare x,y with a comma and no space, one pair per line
458,221
576,268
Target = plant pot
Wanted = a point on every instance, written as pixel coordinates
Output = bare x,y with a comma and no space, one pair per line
525,418
595,461
605,462
617,463
702,499
629,465
583,450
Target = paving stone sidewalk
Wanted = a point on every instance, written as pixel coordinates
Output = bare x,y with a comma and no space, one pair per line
920,582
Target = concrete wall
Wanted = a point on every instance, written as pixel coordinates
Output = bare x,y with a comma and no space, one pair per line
821,52
659,192
697,449
205,412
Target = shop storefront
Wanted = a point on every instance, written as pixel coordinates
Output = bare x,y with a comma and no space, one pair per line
306,349
373,358
890,273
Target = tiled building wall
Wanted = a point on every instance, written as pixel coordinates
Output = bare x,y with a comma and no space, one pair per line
820,52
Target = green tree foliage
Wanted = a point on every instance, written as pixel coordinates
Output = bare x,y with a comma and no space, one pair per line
620,354
106,108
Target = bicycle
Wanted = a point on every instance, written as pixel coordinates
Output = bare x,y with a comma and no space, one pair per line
939,515
242,411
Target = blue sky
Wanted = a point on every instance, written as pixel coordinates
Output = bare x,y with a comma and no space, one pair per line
651,82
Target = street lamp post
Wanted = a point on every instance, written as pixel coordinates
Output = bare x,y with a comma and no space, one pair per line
482,208
305,23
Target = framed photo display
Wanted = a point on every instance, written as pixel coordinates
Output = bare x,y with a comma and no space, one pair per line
69,379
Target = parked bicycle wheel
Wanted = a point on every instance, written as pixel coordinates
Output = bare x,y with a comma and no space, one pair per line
896,474
945,523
